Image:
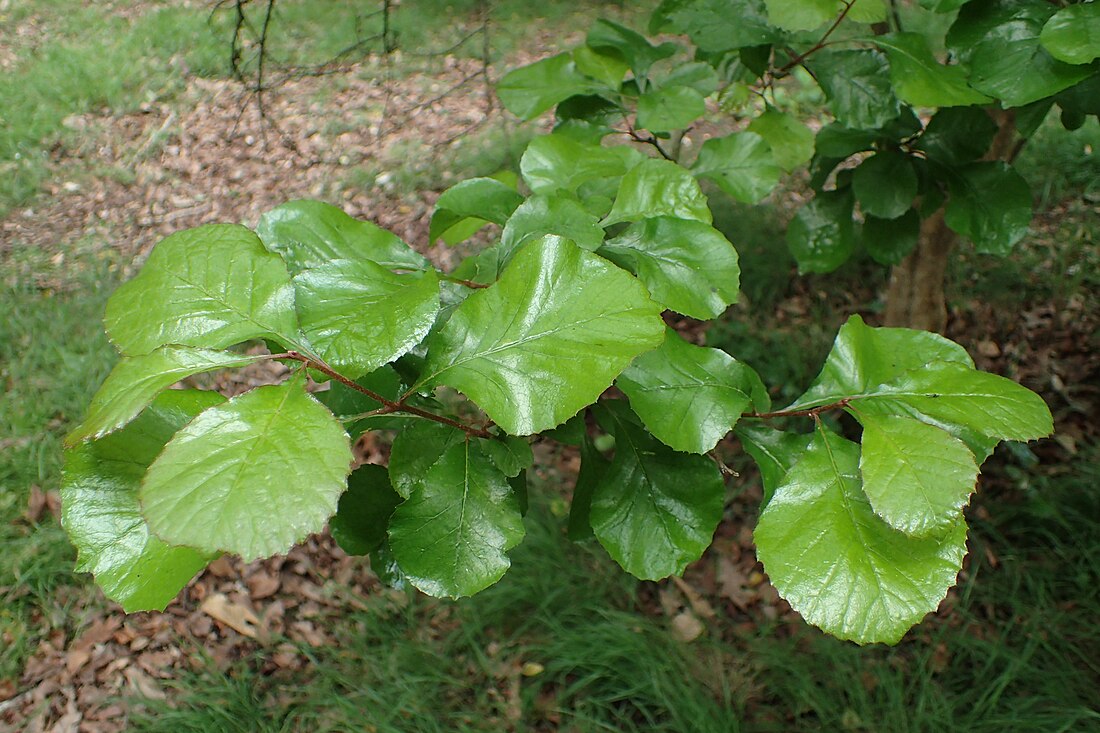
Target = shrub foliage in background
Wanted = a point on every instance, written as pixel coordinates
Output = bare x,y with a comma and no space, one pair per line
862,526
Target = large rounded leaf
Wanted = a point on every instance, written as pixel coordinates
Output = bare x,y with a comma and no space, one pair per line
792,143
252,476
546,339
840,565
857,83
530,90
742,164
100,510
553,163
212,286
658,188
991,204
464,208
1073,34
450,537
885,184
820,236
359,316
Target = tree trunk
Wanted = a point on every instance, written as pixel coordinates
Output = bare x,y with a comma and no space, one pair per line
915,296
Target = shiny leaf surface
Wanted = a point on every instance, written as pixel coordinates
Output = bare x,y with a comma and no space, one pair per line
742,164
363,513
658,188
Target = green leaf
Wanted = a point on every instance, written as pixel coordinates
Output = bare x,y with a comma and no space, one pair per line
775,453
670,108
839,565
821,237
511,455
136,380
359,315
359,525
922,81
889,241
604,68
716,25
530,90
252,476
655,510
885,184
801,15
954,394
957,135
991,204
415,450
546,339
916,476
689,396
867,11
467,206
858,86
1072,34
658,188
451,535
349,405
100,510
695,74
554,163
593,469
792,143
312,233
212,286
688,266
742,164
611,37
863,358
837,141
553,214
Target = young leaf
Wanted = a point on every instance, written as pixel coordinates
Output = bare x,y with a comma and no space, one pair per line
821,237
688,266
467,206
670,108
136,380
555,163
100,511
312,233
416,450
840,565
1072,34
791,142
916,476
774,451
451,535
885,184
359,316
553,214
359,525
546,339
991,204
252,476
889,241
212,286
857,84
922,81
655,510
658,188
742,164
689,396
530,90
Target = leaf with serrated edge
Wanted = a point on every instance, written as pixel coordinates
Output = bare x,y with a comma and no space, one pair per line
688,396
655,510
658,188
252,476
136,380
100,510
546,339
450,537
310,233
359,316
688,266
916,476
841,566
212,286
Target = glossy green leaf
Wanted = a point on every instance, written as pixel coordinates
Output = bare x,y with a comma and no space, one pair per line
611,37
801,15
920,79
100,510
553,214
885,184
212,286
889,241
791,142
742,164
554,163
655,510
511,455
991,204
416,449
593,469
451,535
359,315
136,380
658,188
820,236
701,77
312,233
606,69
1072,34
867,11
670,108
841,566
363,513
546,339
837,141
715,26
530,90
465,207
774,451
689,396
252,476
916,476
688,266
858,86
957,135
